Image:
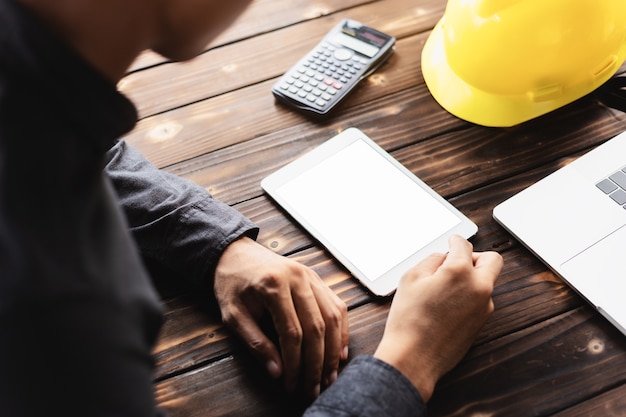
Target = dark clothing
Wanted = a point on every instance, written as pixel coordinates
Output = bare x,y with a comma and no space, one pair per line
175,222
78,314
368,387
78,210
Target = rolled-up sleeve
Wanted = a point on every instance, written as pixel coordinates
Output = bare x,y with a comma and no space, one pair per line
369,387
175,222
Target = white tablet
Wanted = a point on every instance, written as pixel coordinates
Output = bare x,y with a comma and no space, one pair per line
374,215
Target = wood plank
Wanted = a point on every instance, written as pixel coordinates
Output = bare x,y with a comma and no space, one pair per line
251,112
537,371
511,376
249,391
611,403
450,163
241,64
260,17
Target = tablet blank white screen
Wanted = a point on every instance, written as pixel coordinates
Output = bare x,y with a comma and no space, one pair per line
370,211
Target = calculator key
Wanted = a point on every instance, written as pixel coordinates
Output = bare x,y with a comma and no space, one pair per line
308,88
326,96
314,83
301,70
293,89
331,91
328,81
320,102
311,98
302,93
310,73
319,77
284,86
317,92
337,85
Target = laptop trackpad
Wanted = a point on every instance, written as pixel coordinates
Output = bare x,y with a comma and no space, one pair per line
599,273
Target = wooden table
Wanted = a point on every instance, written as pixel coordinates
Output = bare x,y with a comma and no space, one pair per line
214,121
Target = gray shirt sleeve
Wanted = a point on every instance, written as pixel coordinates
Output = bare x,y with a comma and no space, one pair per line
175,222
369,387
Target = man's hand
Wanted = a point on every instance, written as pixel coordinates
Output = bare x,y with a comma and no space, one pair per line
311,321
440,306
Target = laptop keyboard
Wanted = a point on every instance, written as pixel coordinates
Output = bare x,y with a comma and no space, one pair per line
615,186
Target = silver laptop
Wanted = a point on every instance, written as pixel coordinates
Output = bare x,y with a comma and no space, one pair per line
574,220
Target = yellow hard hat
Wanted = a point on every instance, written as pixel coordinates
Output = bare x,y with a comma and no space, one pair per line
502,62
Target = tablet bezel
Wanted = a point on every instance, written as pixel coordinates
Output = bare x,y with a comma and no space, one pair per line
387,283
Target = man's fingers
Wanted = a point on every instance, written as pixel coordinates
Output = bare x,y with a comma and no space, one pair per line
309,319
290,336
426,267
335,315
461,250
492,262
314,331
258,343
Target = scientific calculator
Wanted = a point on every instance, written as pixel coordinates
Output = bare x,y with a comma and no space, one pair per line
322,78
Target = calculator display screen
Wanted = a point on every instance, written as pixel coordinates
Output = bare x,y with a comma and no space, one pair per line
356,45
372,37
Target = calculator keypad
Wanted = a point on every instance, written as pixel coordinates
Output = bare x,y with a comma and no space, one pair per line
320,78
